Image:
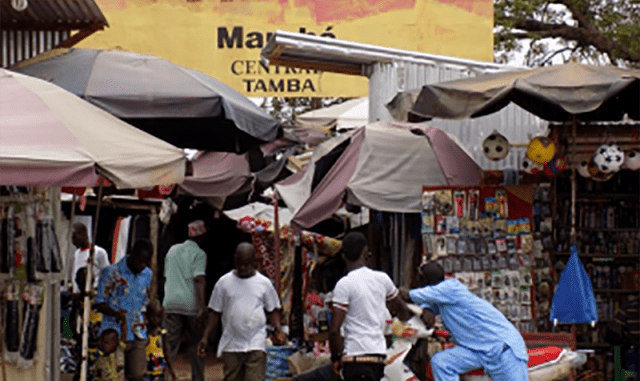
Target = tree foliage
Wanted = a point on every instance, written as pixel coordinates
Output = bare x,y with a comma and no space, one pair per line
597,30
285,109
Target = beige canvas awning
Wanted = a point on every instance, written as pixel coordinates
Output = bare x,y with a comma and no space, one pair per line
50,137
554,93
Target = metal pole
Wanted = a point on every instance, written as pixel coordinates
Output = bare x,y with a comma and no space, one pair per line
69,259
295,322
87,289
276,240
574,162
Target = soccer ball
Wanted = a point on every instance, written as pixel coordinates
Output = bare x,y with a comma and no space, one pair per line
541,150
593,170
608,158
548,171
530,167
557,164
632,160
495,146
583,169
596,174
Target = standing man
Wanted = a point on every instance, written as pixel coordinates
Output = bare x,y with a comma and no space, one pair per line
184,303
122,294
245,300
359,308
484,337
80,239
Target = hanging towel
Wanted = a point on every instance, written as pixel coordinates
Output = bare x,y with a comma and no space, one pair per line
573,301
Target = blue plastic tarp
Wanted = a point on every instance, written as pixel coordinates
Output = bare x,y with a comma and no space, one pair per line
573,301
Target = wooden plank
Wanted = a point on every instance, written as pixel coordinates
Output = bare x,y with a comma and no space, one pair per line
153,237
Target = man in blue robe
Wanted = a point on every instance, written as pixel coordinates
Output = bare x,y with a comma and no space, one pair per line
483,336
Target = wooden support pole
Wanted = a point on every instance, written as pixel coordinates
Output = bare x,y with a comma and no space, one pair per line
276,240
574,163
153,237
87,291
69,260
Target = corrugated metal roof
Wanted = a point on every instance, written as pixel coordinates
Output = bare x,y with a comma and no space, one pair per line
348,57
52,15
393,70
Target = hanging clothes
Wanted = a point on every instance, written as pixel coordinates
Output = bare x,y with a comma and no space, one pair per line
120,238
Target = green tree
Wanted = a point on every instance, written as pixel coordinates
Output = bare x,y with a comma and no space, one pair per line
600,30
285,109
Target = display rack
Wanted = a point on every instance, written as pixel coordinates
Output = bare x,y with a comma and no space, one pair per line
543,272
608,242
29,279
482,237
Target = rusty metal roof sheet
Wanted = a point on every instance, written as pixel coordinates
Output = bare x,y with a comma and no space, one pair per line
52,15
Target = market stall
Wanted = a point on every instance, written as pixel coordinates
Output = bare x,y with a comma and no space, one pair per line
278,262
586,102
482,236
50,139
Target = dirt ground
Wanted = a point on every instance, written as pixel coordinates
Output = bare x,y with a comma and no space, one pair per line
212,368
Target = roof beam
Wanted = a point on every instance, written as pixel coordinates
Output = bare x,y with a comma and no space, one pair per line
79,36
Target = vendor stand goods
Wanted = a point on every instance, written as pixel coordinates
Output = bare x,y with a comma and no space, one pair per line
482,236
29,255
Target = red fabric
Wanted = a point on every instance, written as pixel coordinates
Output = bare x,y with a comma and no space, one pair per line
537,356
313,299
78,191
152,193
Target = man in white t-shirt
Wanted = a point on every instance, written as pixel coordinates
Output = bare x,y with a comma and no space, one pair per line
80,239
358,307
245,300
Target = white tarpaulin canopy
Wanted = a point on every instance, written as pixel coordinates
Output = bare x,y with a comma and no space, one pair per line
349,114
262,211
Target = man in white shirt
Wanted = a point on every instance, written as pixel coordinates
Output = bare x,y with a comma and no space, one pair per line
244,299
358,307
80,239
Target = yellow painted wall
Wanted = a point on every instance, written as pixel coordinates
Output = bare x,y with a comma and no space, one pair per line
191,33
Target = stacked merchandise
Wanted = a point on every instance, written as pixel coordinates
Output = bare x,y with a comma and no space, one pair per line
29,252
543,272
607,225
477,239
